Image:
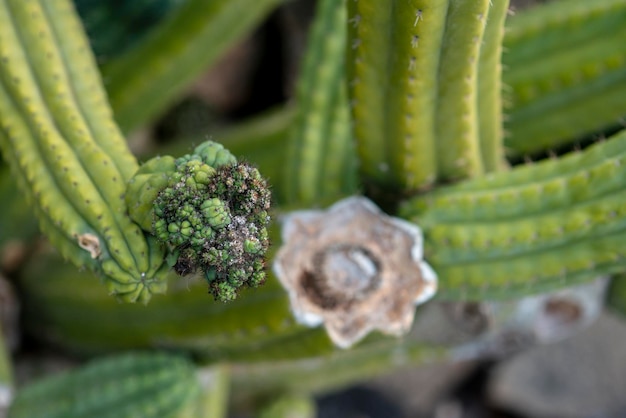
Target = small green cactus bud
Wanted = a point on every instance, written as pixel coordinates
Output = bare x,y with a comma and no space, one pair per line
216,213
214,154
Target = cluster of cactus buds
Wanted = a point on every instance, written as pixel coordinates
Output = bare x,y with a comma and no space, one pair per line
210,211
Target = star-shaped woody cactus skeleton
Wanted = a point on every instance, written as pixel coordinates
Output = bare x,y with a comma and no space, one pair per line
354,269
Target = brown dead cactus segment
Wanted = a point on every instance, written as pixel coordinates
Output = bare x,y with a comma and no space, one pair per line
353,268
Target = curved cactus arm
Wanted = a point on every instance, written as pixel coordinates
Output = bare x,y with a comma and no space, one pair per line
565,73
174,53
321,165
490,130
546,233
393,59
74,182
135,384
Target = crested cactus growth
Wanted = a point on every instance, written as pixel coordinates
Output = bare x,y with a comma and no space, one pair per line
212,213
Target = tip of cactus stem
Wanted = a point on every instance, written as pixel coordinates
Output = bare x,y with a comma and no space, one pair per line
213,214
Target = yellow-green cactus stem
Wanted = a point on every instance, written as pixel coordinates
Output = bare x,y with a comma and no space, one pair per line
529,230
129,385
489,95
58,135
321,165
393,59
565,73
424,90
457,124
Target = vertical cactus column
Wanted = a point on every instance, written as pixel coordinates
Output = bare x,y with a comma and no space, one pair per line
393,59
321,164
420,109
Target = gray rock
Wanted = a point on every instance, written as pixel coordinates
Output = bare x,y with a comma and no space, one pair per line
582,377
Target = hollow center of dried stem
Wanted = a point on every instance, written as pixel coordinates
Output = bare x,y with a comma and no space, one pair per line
342,274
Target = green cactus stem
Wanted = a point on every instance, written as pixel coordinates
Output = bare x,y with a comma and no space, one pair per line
528,230
192,37
321,164
65,150
456,122
490,129
420,109
389,45
130,385
565,73
212,213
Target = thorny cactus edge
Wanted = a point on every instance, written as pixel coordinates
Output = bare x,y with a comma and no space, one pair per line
210,211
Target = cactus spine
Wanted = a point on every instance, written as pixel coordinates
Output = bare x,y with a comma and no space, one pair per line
49,131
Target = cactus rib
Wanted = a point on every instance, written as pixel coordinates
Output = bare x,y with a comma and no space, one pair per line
320,165
74,48
532,235
393,56
458,147
566,73
490,130
77,187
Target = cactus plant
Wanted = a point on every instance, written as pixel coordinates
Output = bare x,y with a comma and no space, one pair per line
399,101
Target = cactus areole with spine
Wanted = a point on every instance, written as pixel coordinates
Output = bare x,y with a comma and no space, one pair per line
211,213
354,269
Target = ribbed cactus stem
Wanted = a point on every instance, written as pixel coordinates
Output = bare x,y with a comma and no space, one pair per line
457,126
68,156
490,130
321,165
531,229
566,73
136,384
393,59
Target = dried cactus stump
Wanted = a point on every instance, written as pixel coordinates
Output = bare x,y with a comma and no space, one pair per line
354,269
